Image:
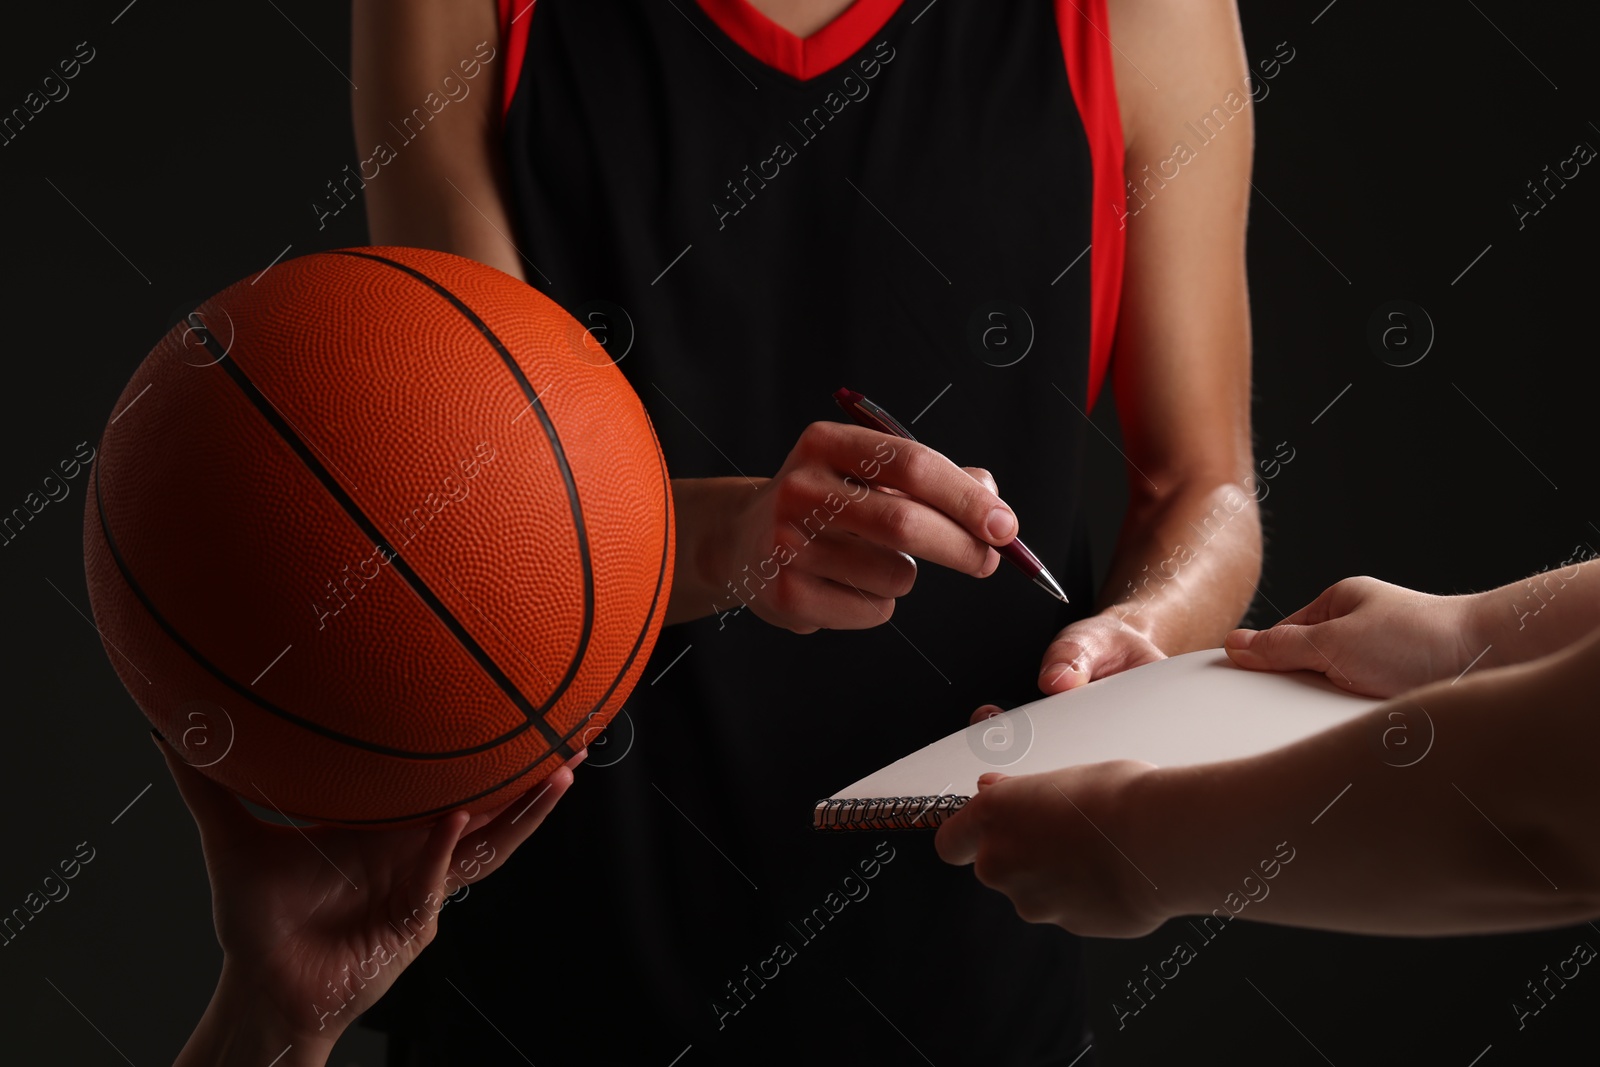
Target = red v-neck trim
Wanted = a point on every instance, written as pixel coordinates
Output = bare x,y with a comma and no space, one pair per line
802,58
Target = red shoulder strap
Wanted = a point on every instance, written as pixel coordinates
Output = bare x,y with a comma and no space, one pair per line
515,17
1086,46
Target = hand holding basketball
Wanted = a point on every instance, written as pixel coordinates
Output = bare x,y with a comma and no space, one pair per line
316,925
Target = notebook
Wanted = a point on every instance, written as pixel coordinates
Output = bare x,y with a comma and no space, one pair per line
1193,708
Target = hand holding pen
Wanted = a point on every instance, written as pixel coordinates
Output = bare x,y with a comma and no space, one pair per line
870,415
816,546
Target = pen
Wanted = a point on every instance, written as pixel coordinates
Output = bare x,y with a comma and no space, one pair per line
866,413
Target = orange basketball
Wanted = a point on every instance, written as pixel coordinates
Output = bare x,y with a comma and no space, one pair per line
378,534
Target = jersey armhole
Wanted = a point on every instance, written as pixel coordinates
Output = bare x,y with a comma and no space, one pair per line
1086,48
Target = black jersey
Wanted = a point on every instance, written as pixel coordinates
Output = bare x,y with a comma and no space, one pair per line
922,202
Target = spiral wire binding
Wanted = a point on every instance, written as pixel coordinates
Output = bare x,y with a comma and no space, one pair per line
885,813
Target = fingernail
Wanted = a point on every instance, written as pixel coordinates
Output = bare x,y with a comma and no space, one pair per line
990,778
1240,639
1001,524
1055,672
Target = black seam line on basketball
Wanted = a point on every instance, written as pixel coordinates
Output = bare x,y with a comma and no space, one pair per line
666,528
556,449
346,503
239,687
655,600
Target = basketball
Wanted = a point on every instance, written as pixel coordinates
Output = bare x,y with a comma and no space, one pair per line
377,534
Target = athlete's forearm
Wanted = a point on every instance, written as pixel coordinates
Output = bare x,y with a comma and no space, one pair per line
1187,564
1482,820
702,579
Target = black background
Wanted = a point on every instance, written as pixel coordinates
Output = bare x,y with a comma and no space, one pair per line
1389,151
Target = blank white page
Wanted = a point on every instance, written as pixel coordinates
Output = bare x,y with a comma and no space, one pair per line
1193,708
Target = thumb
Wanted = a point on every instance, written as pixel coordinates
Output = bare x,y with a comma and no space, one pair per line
958,837
1285,647
217,812
1068,663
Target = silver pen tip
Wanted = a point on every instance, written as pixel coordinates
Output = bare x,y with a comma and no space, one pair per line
1044,581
